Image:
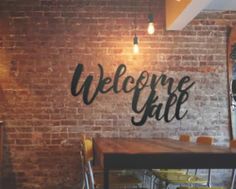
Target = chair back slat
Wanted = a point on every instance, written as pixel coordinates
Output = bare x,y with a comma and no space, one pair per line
207,140
233,144
82,168
184,138
87,150
88,146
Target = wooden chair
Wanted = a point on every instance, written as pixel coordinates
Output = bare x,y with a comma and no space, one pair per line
117,179
189,179
182,138
164,173
232,146
179,179
205,140
185,138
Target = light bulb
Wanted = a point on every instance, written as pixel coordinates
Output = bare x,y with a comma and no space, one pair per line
151,28
135,47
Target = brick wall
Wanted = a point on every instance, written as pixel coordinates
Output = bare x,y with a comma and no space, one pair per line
42,41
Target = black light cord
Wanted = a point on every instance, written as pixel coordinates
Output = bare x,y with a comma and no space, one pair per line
135,18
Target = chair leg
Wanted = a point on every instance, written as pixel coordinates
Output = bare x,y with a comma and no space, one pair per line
145,175
195,172
159,183
83,182
152,182
209,178
167,185
86,181
233,179
147,178
91,175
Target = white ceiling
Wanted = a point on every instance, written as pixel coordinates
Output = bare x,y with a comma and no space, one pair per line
222,5
193,8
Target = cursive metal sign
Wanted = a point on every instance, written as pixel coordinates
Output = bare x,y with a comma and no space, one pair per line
176,95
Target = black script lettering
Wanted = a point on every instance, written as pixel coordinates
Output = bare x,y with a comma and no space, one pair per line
184,80
143,84
119,72
137,91
182,99
143,76
156,111
170,82
150,109
104,82
164,80
128,79
75,80
147,106
86,85
158,115
170,102
154,82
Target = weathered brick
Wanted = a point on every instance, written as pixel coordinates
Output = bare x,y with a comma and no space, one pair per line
42,41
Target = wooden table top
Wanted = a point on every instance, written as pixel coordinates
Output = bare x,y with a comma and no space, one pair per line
139,146
118,150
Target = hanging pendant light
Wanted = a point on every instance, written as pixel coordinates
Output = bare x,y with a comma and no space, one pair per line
135,47
135,39
151,28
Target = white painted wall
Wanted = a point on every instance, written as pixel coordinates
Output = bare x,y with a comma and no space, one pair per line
222,5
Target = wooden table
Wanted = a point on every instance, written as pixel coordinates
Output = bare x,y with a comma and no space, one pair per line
120,153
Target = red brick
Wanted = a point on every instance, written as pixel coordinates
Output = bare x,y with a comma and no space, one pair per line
41,43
